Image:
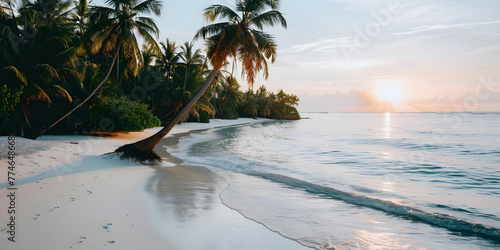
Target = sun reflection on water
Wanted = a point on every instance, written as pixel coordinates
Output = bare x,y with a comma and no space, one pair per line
387,127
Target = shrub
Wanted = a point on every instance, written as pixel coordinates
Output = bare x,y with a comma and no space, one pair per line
121,114
9,98
204,117
230,112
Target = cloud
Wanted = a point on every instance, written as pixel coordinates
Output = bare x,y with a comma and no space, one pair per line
362,5
364,101
343,64
328,45
444,27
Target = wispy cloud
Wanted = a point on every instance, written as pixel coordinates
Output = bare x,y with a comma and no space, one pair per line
444,27
341,65
322,45
361,5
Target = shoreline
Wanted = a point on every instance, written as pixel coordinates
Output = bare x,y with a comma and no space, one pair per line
70,196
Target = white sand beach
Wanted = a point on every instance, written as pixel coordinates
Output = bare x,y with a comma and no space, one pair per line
70,196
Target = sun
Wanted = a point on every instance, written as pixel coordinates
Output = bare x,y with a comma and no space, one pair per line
390,91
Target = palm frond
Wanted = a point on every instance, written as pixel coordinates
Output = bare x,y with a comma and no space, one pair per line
148,7
17,73
146,25
106,40
269,18
218,11
204,106
58,92
210,30
68,73
47,74
254,6
66,58
35,93
266,44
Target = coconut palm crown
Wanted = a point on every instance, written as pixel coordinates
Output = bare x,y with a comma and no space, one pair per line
240,36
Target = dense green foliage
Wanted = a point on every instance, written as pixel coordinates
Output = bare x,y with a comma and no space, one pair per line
56,55
120,114
9,98
269,105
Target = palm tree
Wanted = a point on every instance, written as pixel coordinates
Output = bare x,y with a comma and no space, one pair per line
261,91
37,55
240,37
251,106
266,105
47,12
230,93
80,16
169,58
187,79
115,28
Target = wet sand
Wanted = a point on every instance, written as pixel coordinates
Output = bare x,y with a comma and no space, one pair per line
69,196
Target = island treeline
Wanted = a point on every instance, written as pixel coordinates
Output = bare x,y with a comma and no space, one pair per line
68,66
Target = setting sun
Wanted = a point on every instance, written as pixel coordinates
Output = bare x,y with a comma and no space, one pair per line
390,91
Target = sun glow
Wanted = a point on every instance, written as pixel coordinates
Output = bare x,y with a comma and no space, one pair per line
390,91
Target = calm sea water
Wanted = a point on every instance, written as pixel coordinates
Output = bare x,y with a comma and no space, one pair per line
378,181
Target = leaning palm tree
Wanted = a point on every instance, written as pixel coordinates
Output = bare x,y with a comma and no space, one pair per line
115,28
240,37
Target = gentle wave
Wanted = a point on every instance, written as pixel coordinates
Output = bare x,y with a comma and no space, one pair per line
449,186
439,220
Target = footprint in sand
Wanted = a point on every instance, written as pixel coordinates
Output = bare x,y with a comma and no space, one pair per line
107,227
81,239
53,209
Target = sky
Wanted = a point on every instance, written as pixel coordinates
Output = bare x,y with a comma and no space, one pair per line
440,55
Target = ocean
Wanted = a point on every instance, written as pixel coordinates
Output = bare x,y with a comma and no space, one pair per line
362,180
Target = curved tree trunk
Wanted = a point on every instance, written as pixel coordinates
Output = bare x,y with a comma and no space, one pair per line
86,99
173,110
143,149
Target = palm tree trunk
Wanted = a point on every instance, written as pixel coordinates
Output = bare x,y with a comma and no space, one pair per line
143,149
173,110
86,99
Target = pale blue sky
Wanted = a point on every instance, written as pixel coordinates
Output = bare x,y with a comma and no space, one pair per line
436,49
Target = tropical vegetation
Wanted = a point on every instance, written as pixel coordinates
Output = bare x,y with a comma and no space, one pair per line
70,66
